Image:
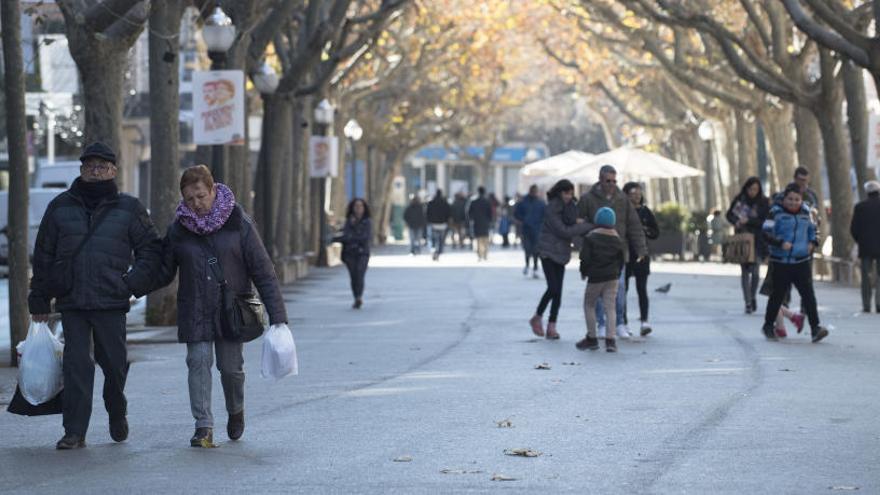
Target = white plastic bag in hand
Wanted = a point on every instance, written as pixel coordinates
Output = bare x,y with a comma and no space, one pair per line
279,353
39,372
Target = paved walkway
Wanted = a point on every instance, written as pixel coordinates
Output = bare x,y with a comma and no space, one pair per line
441,352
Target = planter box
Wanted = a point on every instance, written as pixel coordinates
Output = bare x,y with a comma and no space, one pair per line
668,243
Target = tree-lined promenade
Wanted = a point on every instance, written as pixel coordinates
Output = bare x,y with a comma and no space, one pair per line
591,74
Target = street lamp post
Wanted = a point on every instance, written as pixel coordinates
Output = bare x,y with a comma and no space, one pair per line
219,35
324,115
354,132
707,134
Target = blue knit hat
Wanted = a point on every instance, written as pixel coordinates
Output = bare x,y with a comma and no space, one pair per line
605,217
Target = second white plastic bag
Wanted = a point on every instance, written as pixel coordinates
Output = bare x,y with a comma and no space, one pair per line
39,374
279,353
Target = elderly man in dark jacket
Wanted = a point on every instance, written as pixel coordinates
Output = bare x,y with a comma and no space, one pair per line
629,228
865,229
480,214
83,259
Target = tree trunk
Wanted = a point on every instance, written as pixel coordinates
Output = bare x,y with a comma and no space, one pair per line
857,122
274,150
298,185
164,139
382,202
747,147
809,151
283,178
780,141
829,114
16,128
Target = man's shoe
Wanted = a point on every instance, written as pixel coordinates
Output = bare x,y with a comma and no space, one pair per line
587,342
754,305
535,323
235,426
780,332
357,303
119,429
749,309
610,345
70,442
551,331
623,332
769,333
820,333
203,437
798,320
645,330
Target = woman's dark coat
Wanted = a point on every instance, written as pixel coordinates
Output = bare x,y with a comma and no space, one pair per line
244,261
759,209
356,238
480,213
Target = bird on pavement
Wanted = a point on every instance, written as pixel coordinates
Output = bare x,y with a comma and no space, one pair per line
664,288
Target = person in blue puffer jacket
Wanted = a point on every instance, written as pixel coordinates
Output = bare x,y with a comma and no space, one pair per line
791,234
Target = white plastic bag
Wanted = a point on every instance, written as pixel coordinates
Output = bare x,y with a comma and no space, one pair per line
39,371
279,353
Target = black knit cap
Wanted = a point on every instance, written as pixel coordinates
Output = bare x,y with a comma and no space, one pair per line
100,150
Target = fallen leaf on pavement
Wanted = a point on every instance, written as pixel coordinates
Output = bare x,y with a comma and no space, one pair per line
501,477
505,423
403,458
542,366
522,452
786,369
571,364
460,471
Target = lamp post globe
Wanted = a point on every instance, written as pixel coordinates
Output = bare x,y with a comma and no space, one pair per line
706,131
353,130
265,79
324,112
218,33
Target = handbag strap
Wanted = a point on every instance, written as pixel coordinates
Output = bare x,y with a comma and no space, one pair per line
89,233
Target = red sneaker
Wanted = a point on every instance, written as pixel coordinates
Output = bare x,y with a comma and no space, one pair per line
780,332
537,328
798,320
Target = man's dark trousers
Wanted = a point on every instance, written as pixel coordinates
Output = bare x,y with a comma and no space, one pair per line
108,330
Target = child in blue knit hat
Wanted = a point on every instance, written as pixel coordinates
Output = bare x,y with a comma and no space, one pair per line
602,255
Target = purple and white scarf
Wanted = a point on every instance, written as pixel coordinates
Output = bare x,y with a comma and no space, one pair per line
223,205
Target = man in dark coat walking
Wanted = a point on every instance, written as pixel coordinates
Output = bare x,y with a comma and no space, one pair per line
865,229
438,215
83,259
414,217
480,213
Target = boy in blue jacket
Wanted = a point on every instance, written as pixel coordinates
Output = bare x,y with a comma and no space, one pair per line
791,234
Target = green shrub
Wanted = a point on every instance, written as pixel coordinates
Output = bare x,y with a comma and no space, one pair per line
671,217
697,222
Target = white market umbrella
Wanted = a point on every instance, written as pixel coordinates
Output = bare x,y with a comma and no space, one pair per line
638,164
546,172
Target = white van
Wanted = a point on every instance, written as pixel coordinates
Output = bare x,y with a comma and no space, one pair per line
39,200
58,174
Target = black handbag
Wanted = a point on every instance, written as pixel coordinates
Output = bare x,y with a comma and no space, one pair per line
241,316
19,405
61,276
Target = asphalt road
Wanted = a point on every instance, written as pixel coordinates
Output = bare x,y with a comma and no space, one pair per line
403,396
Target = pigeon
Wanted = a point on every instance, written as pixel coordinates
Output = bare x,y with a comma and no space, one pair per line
664,288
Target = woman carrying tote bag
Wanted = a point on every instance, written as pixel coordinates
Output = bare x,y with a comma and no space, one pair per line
747,213
211,231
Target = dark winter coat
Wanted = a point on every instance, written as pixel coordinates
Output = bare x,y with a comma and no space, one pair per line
629,225
865,227
439,211
649,224
757,211
557,234
459,210
480,214
530,211
602,254
105,274
414,216
356,237
244,261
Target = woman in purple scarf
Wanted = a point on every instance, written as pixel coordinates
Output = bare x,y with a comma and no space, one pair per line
211,229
